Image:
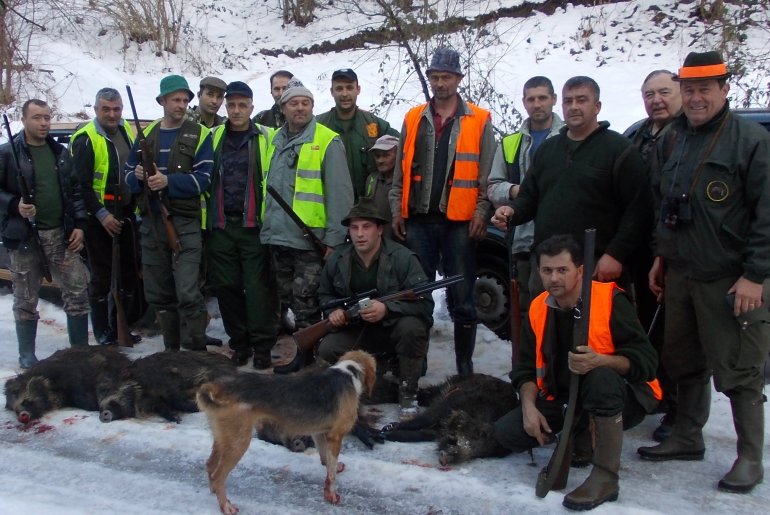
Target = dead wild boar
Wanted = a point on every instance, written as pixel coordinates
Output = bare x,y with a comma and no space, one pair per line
67,378
164,383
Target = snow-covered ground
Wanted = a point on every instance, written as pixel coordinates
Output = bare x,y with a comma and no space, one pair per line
71,463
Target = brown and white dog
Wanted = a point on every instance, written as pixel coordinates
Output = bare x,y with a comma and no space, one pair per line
321,403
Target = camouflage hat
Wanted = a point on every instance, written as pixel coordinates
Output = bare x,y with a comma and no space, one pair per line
365,208
172,84
445,60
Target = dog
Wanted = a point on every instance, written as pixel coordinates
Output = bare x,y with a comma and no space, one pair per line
321,403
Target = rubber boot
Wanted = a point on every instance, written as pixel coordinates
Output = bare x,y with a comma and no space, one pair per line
749,419
408,379
686,442
465,343
100,322
302,358
169,327
77,330
602,483
582,448
196,326
26,331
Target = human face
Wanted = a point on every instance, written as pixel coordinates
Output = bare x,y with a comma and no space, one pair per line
37,123
561,277
345,93
366,235
581,110
702,100
662,99
298,112
444,84
210,100
239,110
175,106
385,160
278,86
539,102
108,114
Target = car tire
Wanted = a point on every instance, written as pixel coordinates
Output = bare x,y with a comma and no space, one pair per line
492,295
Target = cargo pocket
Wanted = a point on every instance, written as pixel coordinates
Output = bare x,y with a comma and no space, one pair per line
754,338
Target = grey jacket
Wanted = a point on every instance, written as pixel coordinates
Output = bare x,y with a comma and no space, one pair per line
277,227
486,154
500,186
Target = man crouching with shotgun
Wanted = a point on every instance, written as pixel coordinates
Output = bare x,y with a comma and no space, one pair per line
612,372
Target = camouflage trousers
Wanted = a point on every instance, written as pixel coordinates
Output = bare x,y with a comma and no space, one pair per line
67,269
298,274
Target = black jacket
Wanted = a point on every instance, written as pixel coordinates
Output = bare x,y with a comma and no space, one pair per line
14,229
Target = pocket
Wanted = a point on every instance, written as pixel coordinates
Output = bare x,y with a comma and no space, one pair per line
754,338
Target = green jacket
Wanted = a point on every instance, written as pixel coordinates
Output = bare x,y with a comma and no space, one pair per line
398,269
358,139
602,184
729,201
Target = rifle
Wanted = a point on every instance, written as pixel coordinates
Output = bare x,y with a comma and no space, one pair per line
306,338
26,195
172,238
347,302
306,231
554,475
124,336
513,293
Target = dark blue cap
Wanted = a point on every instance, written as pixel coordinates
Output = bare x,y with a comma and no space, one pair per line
238,88
345,73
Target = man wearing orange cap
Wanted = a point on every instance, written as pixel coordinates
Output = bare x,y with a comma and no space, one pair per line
713,190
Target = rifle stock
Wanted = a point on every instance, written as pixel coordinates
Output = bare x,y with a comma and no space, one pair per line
513,292
124,336
26,195
307,337
148,164
554,475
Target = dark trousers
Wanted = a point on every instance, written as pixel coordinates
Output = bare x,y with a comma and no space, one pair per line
239,277
603,393
448,243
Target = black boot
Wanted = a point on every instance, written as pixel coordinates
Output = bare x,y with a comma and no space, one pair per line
100,322
465,343
26,331
301,360
196,327
749,418
169,327
77,330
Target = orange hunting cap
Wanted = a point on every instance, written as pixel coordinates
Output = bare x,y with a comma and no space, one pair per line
702,66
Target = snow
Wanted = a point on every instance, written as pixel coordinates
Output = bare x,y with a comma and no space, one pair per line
79,465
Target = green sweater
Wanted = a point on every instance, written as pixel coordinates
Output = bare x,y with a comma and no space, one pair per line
600,182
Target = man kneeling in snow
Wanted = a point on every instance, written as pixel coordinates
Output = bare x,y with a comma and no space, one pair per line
613,369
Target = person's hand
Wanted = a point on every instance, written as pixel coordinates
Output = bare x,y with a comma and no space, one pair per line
584,360
477,229
608,268
158,181
536,426
112,225
748,295
337,318
399,227
139,172
502,216
656,278
76,240
27,210
374,313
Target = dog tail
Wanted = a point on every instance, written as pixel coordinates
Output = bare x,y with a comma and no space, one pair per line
210,396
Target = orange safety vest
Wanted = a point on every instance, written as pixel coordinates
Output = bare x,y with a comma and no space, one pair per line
599,335
464,186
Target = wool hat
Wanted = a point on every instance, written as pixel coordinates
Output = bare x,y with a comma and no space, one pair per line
365,208
238,88
702,66
213,82
445,59
345,73
171,84
386,143
295,88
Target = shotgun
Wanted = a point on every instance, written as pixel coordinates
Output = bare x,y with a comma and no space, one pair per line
554,475
513,293
172,237
116,279
26,195
318,245
307,338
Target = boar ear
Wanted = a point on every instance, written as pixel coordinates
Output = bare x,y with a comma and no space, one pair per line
39,383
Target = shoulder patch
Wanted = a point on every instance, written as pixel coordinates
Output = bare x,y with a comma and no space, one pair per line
373,130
